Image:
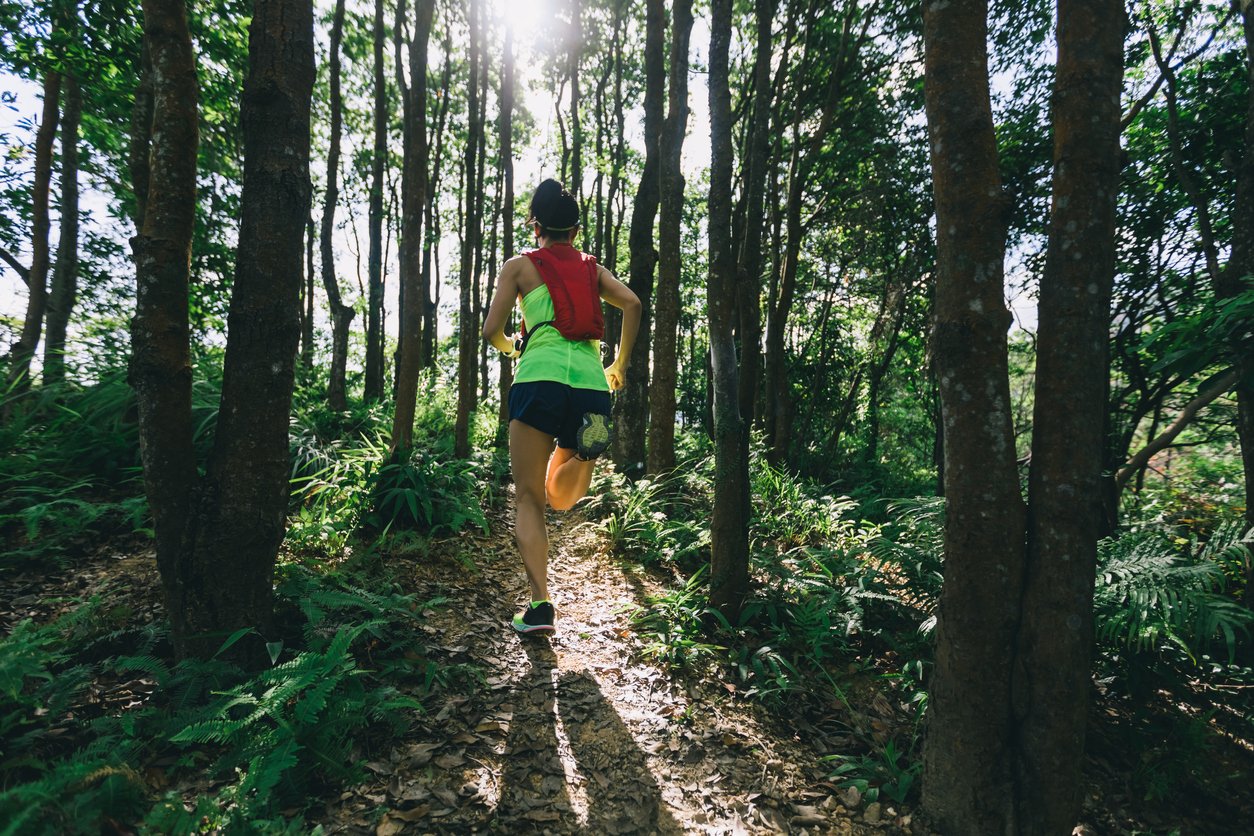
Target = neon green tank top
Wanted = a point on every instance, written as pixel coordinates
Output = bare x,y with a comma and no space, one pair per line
550,356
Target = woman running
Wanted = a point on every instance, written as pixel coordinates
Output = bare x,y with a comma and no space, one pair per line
561,392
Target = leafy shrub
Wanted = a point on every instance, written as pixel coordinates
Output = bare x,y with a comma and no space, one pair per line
273,737
1151,598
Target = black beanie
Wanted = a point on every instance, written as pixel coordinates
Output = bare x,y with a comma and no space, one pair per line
554,208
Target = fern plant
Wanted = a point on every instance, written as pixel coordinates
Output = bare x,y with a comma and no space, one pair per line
1150,597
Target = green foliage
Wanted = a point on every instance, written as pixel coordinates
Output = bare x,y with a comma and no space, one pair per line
886,772
275,738
1151,597
653,521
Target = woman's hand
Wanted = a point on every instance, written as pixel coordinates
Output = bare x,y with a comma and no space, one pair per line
616,375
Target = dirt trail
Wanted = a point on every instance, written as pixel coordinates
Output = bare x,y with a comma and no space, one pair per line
575,734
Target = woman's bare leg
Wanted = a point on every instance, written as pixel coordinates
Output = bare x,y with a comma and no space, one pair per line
529,450
568,479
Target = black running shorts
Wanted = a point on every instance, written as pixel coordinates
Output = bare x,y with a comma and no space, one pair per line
555,408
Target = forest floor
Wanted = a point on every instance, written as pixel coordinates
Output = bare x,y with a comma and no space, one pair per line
583,733
576,733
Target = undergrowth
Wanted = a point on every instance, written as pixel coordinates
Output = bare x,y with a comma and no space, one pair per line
835,599
272,742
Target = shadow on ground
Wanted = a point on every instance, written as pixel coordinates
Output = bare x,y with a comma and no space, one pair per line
614,789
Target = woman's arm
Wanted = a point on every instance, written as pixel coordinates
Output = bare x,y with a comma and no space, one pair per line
621,296
502,304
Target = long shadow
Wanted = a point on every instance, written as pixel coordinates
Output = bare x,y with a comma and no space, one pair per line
533,781
623,796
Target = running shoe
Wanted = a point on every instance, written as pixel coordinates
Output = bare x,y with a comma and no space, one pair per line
537,617
593,436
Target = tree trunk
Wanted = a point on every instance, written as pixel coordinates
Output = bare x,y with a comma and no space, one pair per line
37,278
575,51
1051,680
373,389
165,124
749,261
667,307
506,142
141,134
307,319
477,271
467,333
245,495
413,205
613,317
65,274
341,314
430,254
631,406
729,523
1241,264
968,778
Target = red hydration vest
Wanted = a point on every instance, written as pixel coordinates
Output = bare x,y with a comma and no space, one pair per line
571,277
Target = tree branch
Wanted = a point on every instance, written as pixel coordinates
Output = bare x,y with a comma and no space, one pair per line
1220,385
23,273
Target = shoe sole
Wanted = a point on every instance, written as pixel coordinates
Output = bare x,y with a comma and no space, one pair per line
538,628
594,425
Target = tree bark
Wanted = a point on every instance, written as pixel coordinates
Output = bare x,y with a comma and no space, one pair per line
574,53
613,318
506,141
413,205
65,274
1234,281
667,307
749,260
161,367
307,318
373,388
467,332
968,777
37,278
631,406
729,523
341,314
1051,679
141,135
245,496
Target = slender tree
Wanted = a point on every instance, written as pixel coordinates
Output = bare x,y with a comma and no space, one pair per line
631,405
1240,267
64,289
667,306
37,277
161,369
729,523
749,258
373,389
413,201
341,314
467,342
506,142
807,145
